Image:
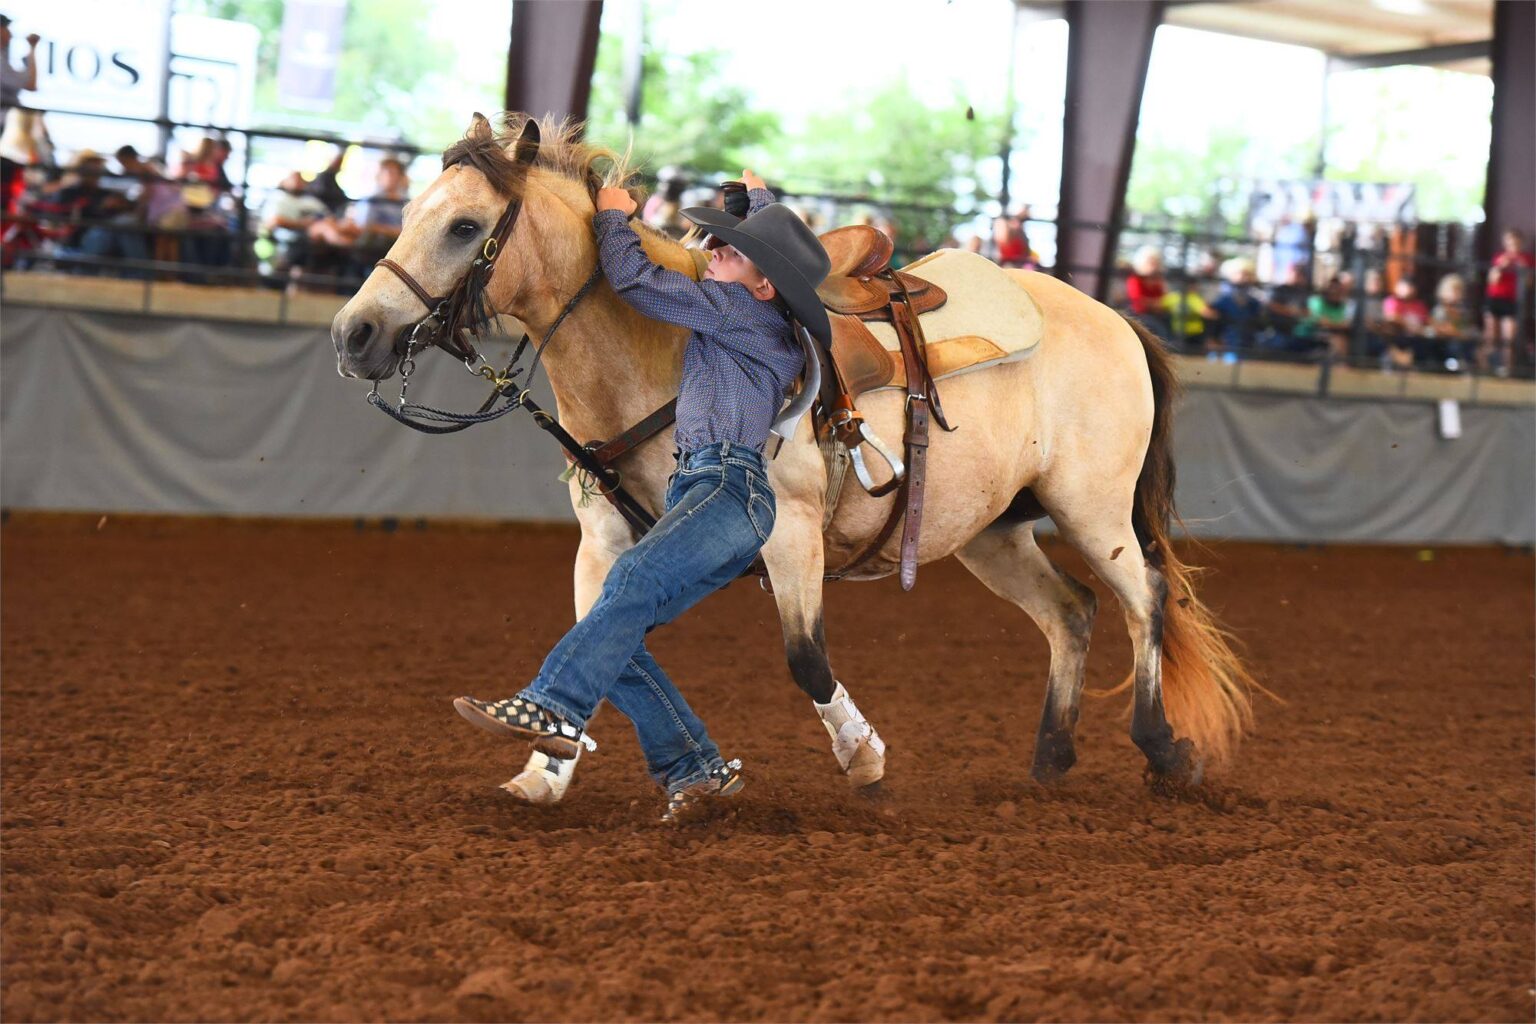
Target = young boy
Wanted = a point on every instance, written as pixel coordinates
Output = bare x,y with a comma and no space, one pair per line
740,360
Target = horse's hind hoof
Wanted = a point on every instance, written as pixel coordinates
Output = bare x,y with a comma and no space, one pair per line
866,765
1054,757
1183,773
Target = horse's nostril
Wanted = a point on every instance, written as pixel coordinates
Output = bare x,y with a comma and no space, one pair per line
358,337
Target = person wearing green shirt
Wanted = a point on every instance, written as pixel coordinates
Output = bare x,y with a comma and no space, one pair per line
1327,320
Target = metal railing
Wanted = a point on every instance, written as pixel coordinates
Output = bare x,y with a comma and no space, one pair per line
1367,338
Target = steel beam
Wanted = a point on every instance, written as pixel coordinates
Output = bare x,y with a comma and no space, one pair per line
1427,56
1510,201
1108,48
549,62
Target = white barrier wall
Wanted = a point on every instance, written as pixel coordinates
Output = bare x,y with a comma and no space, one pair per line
123,413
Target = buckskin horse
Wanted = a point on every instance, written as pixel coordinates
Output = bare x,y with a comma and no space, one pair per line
1080,431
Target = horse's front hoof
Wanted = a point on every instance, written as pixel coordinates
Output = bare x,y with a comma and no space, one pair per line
1178,773
1054,757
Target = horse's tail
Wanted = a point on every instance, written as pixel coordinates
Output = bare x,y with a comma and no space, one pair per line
1206,688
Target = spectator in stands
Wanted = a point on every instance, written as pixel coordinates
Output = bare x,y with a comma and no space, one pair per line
1405,317
1145,288
13,82
309,238
102,217
1287,309
1206,275
663,210
1240,310
1010,241
1372,317
290,215
379,216
24,143
1293,247
210,219
1326,327
134,166
1351,289
1508,278
1188,316
327,188
1452,321
206,164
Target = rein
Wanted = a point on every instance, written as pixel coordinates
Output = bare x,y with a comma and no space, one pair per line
595,459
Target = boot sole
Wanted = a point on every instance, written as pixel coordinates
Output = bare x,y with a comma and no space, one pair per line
554,746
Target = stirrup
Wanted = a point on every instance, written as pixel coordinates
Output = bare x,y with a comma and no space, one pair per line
860,470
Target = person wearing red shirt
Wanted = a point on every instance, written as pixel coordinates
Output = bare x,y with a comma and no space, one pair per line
1145,288
1012,244
1509,273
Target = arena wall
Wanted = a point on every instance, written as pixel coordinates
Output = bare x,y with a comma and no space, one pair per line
112,412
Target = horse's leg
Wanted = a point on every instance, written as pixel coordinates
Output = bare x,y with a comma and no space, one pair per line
795,559
1010,563
545,779
1108,542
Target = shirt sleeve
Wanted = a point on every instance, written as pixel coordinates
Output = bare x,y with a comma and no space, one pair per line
653,290
758,198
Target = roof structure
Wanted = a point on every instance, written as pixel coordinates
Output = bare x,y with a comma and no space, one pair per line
1451,34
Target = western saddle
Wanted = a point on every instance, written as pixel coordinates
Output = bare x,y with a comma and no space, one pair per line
862,287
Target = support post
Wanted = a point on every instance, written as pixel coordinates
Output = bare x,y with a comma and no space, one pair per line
1510,201
1108,48
550,60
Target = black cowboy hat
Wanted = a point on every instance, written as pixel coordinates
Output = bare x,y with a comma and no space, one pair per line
787,252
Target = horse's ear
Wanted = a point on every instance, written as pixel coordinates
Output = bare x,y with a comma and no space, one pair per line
527,145
479,124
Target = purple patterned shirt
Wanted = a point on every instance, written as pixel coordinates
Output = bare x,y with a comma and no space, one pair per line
741,358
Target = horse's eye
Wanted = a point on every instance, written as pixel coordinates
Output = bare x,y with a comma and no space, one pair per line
465,229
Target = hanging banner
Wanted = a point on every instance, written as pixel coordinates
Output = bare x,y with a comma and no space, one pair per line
310,53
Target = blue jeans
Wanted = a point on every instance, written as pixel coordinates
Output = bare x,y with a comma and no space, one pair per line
719,511
107,242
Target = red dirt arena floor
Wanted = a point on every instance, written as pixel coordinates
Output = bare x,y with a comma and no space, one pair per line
234,789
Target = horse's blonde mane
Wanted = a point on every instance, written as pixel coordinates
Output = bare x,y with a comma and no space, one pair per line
561,151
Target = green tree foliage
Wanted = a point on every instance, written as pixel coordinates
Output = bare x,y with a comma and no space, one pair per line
890,144
1200,180
690,115
900,147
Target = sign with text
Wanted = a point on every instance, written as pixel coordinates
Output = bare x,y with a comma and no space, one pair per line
101,56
